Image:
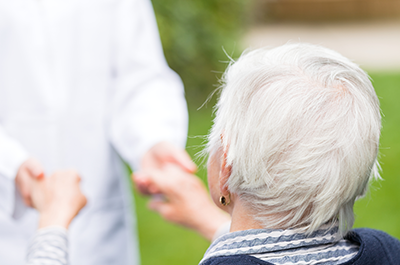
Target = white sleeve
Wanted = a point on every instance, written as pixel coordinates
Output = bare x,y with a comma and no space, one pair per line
148,103
12,155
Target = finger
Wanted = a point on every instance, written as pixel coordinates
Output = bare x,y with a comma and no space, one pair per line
176,174
153,189
78,178
26,198
40,176
141,183
35,168
28,202
182,158
24,185
143,189
146,186
83,201
155,205
151,181
161,207
149,162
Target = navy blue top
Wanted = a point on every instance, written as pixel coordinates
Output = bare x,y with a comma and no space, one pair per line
376,248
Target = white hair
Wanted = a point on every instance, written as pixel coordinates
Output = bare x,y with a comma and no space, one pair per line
300,126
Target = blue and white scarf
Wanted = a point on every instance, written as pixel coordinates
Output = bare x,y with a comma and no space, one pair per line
324,246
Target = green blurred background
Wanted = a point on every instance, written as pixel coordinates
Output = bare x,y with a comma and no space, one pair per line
198,39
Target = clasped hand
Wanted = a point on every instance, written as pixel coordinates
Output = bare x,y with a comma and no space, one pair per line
58,198
178,195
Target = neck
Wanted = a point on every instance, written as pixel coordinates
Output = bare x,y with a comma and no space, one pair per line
242,217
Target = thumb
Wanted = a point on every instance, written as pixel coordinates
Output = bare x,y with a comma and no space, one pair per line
35,168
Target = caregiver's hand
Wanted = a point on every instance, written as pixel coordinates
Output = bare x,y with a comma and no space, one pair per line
184,200
28,172
58,198
162,154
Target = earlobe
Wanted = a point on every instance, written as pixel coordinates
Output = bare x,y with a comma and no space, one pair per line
225,201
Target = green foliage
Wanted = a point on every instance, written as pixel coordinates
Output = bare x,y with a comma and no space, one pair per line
194,34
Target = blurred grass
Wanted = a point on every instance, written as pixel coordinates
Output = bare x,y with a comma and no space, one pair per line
162,243
380,209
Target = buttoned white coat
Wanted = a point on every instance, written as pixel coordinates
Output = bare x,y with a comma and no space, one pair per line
83,85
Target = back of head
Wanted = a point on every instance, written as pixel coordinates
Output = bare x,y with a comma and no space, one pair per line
301,127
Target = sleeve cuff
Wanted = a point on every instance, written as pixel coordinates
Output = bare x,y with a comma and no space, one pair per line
49,246
52,229
12,155
141,150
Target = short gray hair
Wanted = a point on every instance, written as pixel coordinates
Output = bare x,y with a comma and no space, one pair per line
301,126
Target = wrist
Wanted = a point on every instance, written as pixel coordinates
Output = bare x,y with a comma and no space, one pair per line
54,219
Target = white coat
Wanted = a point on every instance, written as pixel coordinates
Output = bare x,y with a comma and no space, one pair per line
83,83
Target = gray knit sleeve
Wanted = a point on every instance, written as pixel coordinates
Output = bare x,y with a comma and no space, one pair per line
49,247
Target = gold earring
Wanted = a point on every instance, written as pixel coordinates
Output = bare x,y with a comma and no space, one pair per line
223,201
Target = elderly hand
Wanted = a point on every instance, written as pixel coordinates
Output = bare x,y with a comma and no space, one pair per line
28,172
185,200
160,155
58,198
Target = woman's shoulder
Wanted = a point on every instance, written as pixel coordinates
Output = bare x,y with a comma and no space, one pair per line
372,236
235,259
376,247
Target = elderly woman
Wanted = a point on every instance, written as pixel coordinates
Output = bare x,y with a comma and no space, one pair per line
294,144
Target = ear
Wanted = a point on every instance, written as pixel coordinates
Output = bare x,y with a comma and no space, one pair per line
224,174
